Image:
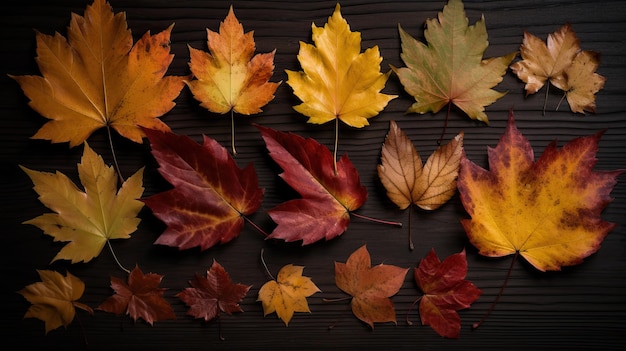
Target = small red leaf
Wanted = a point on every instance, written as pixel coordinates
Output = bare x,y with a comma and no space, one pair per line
445,291
216,293
141,297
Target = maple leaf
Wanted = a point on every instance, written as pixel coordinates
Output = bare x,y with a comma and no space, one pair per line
547,211
370,287
445,291
87,220
580,82
211,195
287,293
323,212
97,78
408,182
54,299
229,78
210,296
338,82
560,62
141,297
450,69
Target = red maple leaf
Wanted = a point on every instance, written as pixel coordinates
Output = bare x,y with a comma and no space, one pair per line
140,298
445,291
216,293
323,212
211,195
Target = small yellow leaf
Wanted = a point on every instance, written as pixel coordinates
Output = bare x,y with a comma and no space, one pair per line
338,81
54,299
581,83
287,294
87,219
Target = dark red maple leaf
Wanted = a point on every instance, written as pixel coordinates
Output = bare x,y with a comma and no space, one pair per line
211,195
140,298
445,291
323,212
216,293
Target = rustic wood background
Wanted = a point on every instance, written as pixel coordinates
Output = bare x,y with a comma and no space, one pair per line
581,307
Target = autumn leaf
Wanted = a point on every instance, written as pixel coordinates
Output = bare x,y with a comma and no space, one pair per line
215,294
323,212
87,220
450,68
287,294
547,211
54,299
141,298
338,82
370,287
211,195
97,78
560,62
229,78
580,82
408,182
445,291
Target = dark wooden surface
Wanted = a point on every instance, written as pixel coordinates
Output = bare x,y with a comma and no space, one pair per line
581,307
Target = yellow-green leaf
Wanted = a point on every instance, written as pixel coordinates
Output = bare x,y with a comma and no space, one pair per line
87,219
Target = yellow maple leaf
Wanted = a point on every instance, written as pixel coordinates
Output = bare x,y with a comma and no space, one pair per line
87,219
54,299
287,294
97,78
450,69
546,211
338,82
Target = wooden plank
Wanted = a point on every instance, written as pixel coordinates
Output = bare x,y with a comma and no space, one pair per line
581,307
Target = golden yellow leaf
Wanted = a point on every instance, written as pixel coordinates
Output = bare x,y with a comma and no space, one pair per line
287,294
96,78
87,219
546,211
338,81
408,182
450,69
54,299
229,77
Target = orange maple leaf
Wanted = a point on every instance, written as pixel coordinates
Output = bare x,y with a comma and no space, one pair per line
97,78
54,298
229,78
546,211
141,297
370,287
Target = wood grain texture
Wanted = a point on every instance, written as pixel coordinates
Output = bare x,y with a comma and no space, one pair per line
581,307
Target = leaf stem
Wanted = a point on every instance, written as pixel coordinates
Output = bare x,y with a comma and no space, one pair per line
506,280
255,226
410,309
545,100
560,101
445,124
339,299
411,246
115,257
267,271
397,224
232,132
117,166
